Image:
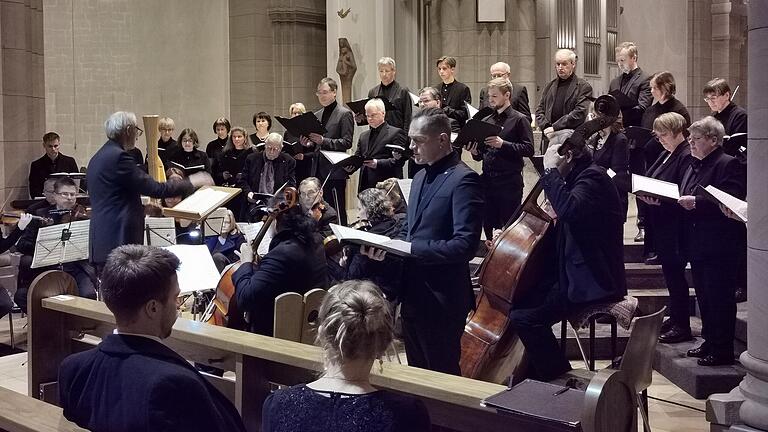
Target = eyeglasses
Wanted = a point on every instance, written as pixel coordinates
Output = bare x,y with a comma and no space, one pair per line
696,138
188,140
139,132
67,194
711,98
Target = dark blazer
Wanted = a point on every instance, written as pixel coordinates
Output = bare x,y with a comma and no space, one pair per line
708,232
453,102
43,167
284,167
576,105
386,165
230,161
638,89
400,97
519,100
590,232
667,218
292,264
116,185
614,154
133,383
444,230
189,162
341,128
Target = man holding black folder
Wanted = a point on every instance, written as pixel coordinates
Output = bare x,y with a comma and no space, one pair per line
399,96
378,162
340,126
502,157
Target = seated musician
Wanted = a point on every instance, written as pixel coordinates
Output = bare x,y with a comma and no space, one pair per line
313,204
188,158
610,150
355,329
53,161
399,206
266,171
224,245
589,253
295,263
132,381
6,304
62,212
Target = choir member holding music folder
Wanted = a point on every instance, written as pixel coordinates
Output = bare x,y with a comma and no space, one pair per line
502,155
378,160
401,112
188,158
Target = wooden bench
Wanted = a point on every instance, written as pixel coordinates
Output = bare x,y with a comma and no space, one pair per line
20,413
58,321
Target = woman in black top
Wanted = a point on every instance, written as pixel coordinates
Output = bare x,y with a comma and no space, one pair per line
610,150
188,158
294,148
221,128
663,89
228,167
263,124
355,329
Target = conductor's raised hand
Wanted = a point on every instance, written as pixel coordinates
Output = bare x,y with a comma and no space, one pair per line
373,253
200,179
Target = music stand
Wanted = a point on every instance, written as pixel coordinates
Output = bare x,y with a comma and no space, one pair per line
159,231
62,243
214,223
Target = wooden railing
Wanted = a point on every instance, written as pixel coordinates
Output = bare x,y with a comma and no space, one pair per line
20,413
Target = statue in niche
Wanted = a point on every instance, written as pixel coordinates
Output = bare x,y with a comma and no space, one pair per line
346,68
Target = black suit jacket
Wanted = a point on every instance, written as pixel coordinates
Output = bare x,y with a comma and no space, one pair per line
116,185
519,100
638,89
576,105
708,233
341,128
400,97
453,102
614,154
133,383
590,232
284,167
41,168
386,165
444,229
734,120
667,218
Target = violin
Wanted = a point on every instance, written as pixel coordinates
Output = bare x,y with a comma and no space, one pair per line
331,243
13,217
76,213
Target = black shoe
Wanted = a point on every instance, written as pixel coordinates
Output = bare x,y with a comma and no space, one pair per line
666,325
716,360
640,237
676,334
700,351
652,259
741,294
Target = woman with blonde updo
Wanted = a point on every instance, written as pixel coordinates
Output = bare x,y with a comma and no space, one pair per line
355,329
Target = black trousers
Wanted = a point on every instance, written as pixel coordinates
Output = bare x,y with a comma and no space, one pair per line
334,192
715,293
673,268
533,318
503,195
433,341
637,166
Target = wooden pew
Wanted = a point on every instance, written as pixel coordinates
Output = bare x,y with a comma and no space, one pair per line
20,413
58,321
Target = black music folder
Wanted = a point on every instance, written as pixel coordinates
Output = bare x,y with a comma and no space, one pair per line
343,161
622,99
639,135
483,113
358,108
736,205
405,150
476,131
542,402
302,125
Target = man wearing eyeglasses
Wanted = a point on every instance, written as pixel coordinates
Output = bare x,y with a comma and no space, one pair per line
717,94
519,99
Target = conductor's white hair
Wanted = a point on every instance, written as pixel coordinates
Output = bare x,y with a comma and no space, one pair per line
376,103
118,122
386,61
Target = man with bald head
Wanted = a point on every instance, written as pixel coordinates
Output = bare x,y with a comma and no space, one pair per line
519,100
565,100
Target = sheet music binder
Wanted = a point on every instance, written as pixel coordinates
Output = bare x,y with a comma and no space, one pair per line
159,231
642,185
476,131
61,243
541,401
358,107
351,235
302,125
736,205
343,161
200,204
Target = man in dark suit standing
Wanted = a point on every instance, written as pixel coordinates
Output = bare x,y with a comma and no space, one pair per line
266,171
397,95
443,225
379,163
453,93
116,184
565,100
131,381
519,99
340,126
502,157
589,254
53,161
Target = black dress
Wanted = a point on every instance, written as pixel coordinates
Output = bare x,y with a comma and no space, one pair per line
300,408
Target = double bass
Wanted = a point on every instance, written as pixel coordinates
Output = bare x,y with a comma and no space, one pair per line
222,310
490,348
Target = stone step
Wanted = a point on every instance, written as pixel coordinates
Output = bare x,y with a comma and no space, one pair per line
642,276
699,382
633,252
650,300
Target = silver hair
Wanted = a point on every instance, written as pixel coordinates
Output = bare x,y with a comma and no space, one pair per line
568,53
376,103
708,127
432,92
118,123
386,61
503,65
274,138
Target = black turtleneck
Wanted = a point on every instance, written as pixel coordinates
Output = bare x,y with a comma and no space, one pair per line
327,111
374,134
558,107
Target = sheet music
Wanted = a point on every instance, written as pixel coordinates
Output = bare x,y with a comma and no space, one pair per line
214,223
51,250
611,173
251,230
397,247
414,98
658,188
161,232
472,110
335,156
203,198
405,188
737,206
197,271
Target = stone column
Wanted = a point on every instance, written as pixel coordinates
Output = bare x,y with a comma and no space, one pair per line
754,387
22,93
729,44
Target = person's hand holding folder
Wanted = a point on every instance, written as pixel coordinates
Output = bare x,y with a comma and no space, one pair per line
649,200
687,202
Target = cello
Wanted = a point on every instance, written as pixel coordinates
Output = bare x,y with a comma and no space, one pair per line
222,310
490,348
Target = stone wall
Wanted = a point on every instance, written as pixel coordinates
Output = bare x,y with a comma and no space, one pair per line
165,57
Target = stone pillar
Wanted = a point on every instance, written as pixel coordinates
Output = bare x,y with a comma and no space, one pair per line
729,44
299,45
22,93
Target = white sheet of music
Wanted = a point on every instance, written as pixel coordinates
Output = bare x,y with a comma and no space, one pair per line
335,156
203,198
472,110
737,206
161,232
405,188
414,98
197,271
214,223
397,247
642,185
51,250
251,230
